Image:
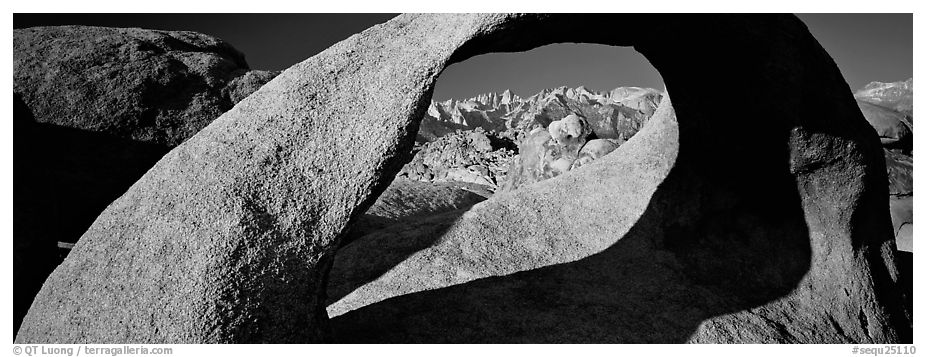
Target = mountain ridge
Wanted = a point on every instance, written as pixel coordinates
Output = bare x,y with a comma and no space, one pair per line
615,111
892,95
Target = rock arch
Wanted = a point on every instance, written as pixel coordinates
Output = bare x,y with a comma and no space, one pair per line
230,236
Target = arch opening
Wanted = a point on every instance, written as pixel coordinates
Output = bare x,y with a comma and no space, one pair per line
738,247
696,234
487,131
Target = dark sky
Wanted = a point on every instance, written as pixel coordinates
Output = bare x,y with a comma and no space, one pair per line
867,47
269,41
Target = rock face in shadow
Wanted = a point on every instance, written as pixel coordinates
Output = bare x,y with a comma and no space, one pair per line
229,238
409,203
407,217
63,178
158,87
34,249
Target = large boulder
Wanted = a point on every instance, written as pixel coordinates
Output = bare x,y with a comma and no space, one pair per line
107,104
549,152
151,86
778,232
593,150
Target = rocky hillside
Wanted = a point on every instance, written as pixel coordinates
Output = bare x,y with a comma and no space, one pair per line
475,140
470,156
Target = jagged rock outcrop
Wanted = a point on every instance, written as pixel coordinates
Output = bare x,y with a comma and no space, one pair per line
472,156
667,239
618,113
895,95
151,86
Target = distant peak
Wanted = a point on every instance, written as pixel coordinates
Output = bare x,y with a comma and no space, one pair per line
507,96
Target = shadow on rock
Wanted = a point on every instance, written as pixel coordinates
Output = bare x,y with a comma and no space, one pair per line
368,257
62,179
728,248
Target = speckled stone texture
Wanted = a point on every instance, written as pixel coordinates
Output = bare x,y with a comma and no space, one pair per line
765,222
151,86
108,104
